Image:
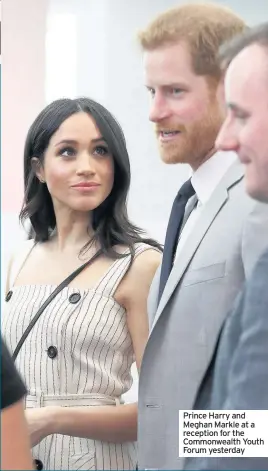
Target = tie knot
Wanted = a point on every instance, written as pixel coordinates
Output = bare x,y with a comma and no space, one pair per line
187,190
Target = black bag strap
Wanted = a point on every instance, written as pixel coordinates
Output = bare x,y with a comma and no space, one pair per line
56,291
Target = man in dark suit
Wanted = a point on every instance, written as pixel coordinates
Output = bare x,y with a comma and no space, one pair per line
237,377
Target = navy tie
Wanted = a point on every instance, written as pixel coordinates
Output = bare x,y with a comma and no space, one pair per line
173,231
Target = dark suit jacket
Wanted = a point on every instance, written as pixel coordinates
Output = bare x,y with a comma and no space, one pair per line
237,377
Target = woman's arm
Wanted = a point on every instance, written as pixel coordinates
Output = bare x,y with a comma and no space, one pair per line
107,423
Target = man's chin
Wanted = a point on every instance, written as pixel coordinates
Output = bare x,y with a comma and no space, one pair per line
172,159
257,194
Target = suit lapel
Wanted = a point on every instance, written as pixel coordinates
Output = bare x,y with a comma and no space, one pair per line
209,213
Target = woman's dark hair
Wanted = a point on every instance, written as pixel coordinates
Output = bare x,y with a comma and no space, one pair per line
110,219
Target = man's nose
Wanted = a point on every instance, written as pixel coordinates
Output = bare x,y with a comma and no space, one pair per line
227,138
159,110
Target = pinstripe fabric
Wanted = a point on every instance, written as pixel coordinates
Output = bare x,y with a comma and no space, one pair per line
92,366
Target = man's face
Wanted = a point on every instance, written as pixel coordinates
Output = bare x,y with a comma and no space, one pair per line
245,129
184,107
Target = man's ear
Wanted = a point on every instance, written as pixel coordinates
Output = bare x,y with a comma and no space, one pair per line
38,169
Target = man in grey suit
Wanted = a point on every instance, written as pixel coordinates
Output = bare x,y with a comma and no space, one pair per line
237,377
216,231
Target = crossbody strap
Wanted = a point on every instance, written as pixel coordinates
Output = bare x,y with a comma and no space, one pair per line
59,288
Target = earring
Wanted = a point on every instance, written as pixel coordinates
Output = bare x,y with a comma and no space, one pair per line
41,180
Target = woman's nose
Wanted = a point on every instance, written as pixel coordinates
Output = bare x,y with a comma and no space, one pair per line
85,166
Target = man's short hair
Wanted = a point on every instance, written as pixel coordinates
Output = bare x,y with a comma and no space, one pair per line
255,35
203,26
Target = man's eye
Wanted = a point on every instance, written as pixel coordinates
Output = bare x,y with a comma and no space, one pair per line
241,117
177,91
151,91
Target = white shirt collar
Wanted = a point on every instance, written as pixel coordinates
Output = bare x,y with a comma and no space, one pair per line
206,178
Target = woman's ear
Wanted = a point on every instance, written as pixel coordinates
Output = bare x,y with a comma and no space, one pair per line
38,169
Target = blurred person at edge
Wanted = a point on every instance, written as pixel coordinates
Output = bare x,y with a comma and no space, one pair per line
15,443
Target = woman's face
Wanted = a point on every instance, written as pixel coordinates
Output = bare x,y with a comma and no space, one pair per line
78,167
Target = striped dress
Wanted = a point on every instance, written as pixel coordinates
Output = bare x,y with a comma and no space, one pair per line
79,353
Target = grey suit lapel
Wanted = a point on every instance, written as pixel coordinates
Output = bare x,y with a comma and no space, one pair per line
209,213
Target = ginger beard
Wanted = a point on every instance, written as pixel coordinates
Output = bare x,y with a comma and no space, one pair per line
190,143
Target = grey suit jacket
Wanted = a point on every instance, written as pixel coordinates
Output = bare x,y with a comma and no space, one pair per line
237,377
219,254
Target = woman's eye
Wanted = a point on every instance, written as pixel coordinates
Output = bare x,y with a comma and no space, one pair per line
67,152
101,150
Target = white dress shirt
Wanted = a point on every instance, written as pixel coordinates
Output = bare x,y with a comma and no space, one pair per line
205,180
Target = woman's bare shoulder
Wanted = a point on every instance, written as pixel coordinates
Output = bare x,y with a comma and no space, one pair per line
141,273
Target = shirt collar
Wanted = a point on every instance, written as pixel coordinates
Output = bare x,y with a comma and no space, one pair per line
206,178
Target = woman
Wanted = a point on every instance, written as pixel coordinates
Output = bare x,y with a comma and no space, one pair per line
15,446
80,351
